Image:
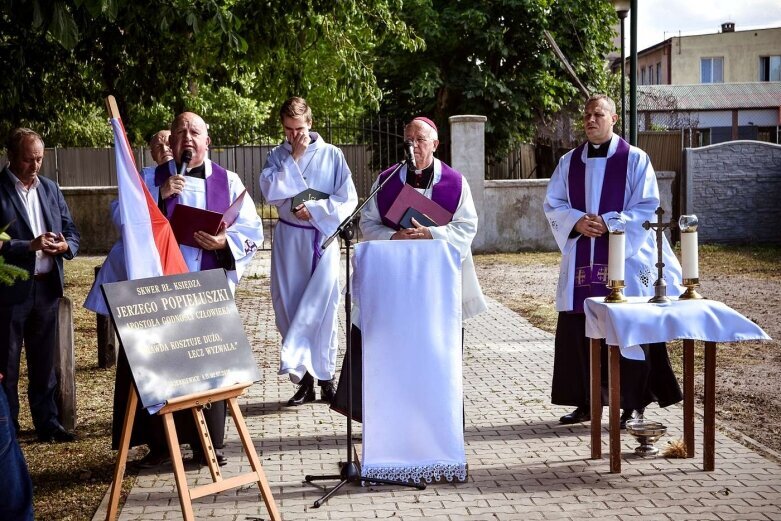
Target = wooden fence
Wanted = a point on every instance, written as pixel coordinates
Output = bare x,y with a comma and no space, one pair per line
664,148
520,163
95,166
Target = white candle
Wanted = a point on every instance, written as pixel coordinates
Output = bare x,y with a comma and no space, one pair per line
689,255
615,262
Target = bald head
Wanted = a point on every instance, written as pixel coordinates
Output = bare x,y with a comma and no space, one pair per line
160,147
189,132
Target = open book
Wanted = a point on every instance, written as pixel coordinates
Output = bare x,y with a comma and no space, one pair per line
186,220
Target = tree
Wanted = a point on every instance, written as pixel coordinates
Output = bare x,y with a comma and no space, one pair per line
65,56
489,57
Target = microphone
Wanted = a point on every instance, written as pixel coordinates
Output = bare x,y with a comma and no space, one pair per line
187,156
408,147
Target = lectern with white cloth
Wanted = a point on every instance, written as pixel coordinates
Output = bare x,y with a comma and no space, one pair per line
640,322
409,295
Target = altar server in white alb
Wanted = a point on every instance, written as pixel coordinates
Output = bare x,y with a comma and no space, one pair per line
304,278
601,180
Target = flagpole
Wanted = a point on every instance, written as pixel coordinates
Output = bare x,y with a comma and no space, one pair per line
111,106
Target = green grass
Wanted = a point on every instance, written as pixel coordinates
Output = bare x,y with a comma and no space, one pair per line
267,211
70,479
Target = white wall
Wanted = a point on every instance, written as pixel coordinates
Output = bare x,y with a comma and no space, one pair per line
510,211
513,219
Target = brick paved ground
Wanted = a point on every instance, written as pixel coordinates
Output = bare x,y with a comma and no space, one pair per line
523,465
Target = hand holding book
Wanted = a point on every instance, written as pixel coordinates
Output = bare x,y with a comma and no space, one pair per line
412,216
310,194
187,220
410,199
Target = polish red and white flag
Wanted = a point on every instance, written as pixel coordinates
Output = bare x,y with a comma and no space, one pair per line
151,249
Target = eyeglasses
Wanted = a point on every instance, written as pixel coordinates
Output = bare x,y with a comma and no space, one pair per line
418,140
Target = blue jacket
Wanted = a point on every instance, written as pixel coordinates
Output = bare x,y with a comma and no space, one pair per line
57,218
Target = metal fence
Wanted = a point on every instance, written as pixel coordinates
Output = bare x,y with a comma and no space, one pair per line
369,145
375,148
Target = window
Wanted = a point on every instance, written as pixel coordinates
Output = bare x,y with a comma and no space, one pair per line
659,73
712,70
703,137
770,68
642,76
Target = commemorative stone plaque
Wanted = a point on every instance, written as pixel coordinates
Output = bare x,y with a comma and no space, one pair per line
182,334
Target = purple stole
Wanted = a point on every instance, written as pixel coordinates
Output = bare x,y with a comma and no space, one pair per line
591,279
217,200
446,193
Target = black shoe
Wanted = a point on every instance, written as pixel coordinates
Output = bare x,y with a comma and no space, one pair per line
57,434
581,414
154,459
199,458
327,391
631,414
626,415
304,394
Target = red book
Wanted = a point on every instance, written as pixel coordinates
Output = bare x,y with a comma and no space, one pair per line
410,198
186,220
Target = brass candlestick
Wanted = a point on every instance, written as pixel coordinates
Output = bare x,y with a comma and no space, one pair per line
691,292
616,292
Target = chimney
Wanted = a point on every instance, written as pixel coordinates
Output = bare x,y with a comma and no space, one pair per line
728,27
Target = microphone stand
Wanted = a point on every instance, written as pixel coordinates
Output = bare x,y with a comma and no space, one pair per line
349,472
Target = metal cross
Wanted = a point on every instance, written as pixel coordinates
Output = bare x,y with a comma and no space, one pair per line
660,286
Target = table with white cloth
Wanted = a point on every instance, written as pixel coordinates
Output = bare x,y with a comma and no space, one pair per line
409,296
626,325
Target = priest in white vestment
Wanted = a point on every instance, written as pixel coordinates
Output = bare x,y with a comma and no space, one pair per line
304,277
605,179
441,183
419,326
209,186
430,175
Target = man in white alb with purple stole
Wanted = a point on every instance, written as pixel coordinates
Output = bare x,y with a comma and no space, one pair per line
304,278
407,335
209,186
445,186
602,180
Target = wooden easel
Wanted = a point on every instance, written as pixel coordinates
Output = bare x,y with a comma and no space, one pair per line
196,403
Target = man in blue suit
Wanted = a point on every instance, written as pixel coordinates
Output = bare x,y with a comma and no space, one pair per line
42,234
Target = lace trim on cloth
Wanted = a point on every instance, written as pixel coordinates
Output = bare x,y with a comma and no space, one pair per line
435,472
